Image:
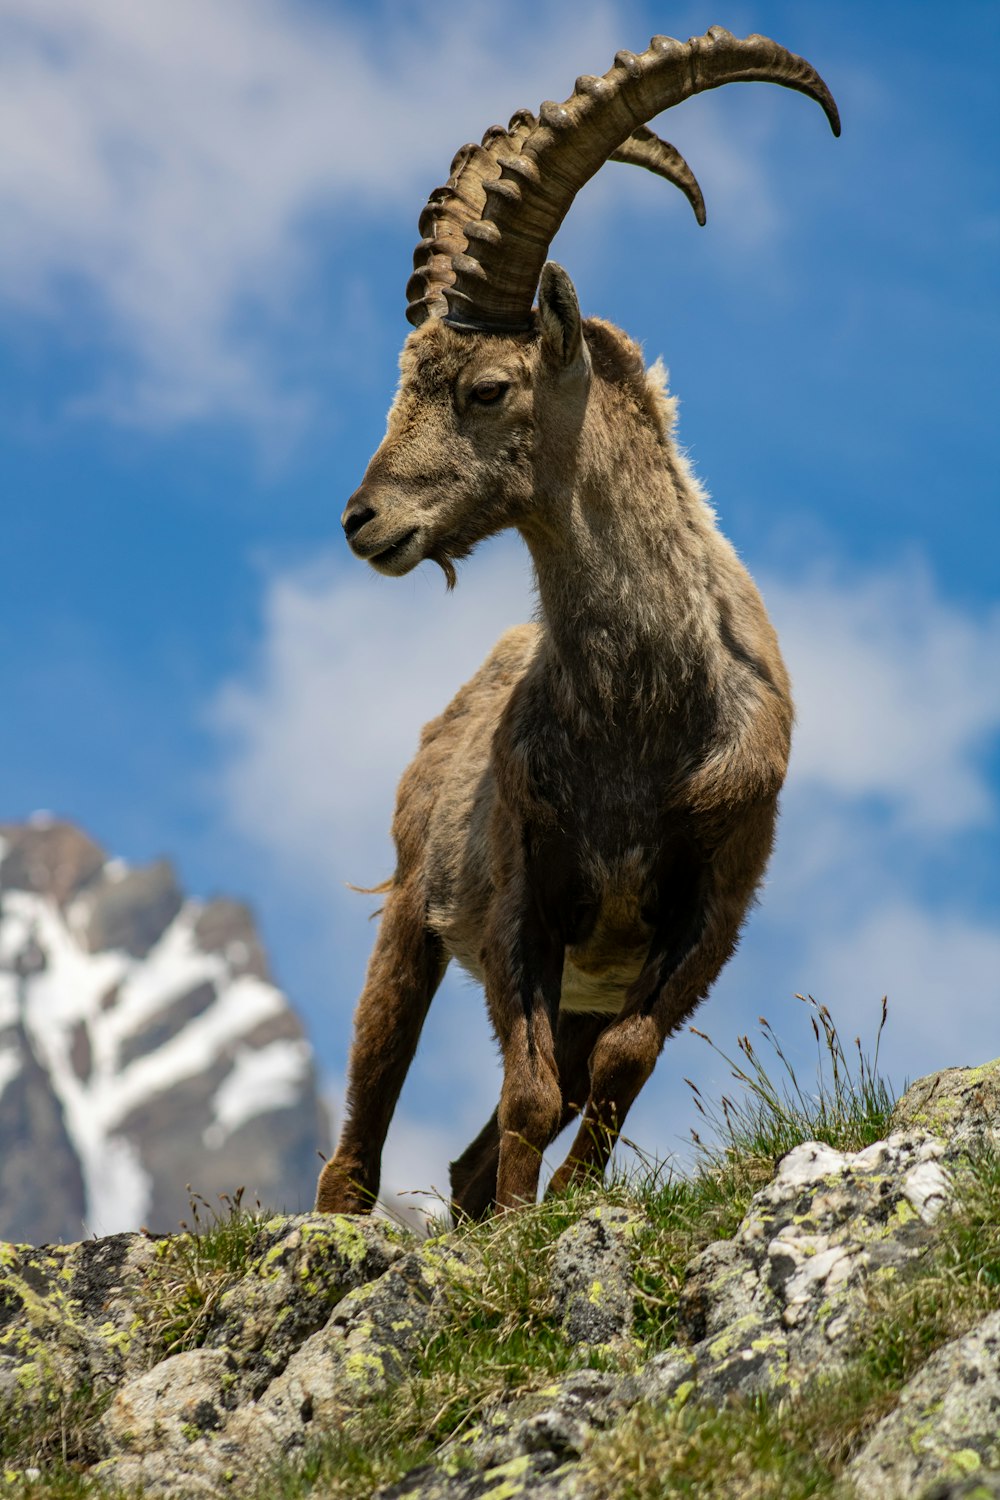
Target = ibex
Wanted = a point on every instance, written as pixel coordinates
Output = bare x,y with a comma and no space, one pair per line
586,824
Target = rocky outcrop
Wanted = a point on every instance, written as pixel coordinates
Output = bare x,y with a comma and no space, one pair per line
780,1301
143,1046
314,1319
947,1422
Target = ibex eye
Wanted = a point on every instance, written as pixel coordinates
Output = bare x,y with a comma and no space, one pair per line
489,391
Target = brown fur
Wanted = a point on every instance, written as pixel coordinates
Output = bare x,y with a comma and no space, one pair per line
585,826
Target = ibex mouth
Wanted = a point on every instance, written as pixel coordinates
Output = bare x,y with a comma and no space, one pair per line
388,560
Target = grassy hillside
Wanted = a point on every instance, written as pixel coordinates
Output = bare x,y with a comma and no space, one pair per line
504,1336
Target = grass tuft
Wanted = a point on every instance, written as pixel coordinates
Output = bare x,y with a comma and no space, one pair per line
848,1106
56,1438
197,1266
501,1340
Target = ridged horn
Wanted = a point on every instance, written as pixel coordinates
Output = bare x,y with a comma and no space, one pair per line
487,232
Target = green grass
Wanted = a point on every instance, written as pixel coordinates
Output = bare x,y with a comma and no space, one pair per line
847,1106
57,1437
949,1292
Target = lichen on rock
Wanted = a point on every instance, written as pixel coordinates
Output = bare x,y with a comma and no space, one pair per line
299,1269
961,1105
70,1319
592,1277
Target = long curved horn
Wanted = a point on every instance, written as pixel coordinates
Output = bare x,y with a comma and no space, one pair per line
486,234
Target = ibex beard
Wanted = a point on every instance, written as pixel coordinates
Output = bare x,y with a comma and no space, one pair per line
586,825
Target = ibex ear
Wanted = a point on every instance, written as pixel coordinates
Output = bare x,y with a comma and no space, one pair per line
559,314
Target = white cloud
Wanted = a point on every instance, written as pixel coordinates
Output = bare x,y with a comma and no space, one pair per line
897,693
896,703
171,161
941,971
172,172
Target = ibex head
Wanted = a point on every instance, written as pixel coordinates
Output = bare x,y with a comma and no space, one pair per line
458,462
460,458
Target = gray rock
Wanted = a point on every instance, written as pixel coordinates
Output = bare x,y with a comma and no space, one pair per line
551,1427
962,1105
592,1277
780,1300
168,1431
984,1485
48,857
333,1313
191,1426
365,1348
48,1207
299,1270
946,1427
71,1318
227,928
132,913
528,1474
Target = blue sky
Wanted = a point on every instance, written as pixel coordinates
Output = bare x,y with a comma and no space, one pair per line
208,210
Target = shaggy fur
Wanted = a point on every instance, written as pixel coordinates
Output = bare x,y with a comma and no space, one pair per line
585,826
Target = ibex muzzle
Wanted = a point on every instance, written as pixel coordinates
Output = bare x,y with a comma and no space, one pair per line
585,826
375,537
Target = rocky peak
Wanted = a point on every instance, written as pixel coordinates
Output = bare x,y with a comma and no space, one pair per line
143,1045
48,857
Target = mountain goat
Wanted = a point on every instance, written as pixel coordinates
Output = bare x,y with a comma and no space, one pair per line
586,824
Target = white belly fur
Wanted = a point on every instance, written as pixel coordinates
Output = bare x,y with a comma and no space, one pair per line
600,994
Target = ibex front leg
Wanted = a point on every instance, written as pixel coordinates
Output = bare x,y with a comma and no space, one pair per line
405,969
474,1174
523,961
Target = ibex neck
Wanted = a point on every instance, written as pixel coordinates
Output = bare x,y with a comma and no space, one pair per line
624,572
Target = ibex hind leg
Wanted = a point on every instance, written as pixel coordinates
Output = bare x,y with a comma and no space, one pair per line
474,1174
405,969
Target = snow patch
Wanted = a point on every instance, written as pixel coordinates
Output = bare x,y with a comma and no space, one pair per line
10,1066
10,1010
262,1079
240,1007
118,1197
173,966
16,926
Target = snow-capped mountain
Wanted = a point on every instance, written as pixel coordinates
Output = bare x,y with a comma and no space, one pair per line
143,1046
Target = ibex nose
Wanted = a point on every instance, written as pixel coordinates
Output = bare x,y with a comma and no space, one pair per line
357,513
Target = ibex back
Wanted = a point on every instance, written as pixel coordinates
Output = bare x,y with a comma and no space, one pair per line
586,824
